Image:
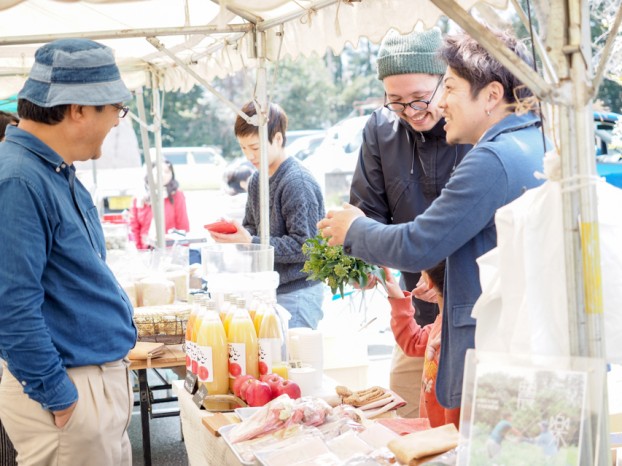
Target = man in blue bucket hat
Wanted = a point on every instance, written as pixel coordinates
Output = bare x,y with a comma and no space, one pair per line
65,323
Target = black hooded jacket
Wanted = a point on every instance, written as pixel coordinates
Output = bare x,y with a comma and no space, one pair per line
399,173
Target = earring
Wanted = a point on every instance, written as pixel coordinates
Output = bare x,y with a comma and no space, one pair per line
488,112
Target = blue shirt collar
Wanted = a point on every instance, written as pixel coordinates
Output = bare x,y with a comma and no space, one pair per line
35,145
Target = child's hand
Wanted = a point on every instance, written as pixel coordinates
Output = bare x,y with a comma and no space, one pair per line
393,287
425,291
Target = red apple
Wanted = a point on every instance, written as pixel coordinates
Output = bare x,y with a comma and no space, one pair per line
287,387
244,386
239,380
273,380
258,393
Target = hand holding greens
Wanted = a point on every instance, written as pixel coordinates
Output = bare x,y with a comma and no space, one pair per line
332,266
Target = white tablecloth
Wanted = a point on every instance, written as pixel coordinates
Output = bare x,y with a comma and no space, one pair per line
203,448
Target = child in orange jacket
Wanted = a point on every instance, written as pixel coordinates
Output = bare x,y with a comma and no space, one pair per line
415,340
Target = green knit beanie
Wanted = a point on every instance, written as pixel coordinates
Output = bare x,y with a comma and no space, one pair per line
411,53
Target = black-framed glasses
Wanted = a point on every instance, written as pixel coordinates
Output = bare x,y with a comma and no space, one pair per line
399,107
123,109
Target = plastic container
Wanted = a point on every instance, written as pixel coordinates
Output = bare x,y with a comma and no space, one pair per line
116,235
237,258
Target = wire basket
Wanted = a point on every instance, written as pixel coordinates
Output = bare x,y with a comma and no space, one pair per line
169,329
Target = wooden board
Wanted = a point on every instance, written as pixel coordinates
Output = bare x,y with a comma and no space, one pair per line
173,355
217,420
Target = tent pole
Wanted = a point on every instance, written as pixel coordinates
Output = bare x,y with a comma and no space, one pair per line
157,203
506,57
262,99
144,137
581,234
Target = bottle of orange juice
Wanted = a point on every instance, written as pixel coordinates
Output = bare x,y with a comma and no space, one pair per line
224,307
197,299
243,348
212,353
271,344
196,326
230,312
259,312
253,304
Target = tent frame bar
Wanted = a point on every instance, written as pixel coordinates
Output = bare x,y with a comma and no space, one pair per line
127,33
543,90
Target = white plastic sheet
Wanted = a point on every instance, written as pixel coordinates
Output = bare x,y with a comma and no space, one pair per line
523,306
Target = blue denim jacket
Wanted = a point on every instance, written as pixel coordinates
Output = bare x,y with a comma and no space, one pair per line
459,226
60,305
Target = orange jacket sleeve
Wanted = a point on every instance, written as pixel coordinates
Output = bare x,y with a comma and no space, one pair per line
411,337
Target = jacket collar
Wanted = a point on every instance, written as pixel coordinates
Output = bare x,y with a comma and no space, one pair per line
512,122
437,131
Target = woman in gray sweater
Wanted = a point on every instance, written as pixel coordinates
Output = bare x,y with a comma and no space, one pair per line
296,205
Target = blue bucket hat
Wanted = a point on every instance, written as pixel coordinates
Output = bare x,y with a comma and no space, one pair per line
74,71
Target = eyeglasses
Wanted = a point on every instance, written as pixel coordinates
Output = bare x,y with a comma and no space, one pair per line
123,109
399,107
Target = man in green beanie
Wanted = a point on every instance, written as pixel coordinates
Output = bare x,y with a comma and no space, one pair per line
404,162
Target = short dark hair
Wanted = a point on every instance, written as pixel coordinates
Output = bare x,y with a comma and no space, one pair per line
46,115
6,119
277,122
437,275
476,65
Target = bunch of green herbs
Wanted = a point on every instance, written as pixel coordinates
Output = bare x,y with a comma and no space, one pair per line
332,266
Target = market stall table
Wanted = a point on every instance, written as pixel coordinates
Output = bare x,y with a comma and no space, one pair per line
173,356
203,447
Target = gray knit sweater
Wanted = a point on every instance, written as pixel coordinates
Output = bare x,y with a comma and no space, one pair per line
296,205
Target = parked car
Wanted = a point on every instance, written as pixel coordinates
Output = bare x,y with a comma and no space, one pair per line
304,146
296,134
195,167
608,147
334,161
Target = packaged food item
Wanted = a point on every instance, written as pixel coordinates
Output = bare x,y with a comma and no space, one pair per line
155,291
130,290
165,324
425,443
180,278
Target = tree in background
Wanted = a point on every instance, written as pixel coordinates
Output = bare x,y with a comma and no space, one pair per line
316,92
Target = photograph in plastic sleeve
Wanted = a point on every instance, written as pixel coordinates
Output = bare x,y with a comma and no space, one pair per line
525,415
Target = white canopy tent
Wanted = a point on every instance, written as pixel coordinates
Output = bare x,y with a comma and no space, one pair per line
173,44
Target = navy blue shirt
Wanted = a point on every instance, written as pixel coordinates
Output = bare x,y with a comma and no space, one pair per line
60,305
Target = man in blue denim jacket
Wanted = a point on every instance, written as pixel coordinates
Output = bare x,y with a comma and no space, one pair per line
65,323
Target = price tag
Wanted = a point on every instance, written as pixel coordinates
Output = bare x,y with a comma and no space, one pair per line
199,396
190,383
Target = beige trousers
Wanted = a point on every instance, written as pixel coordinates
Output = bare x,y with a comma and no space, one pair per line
405,380
96,433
